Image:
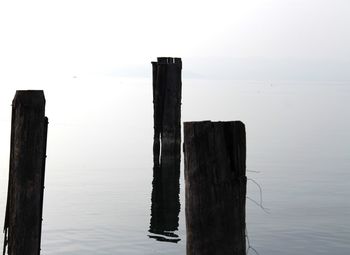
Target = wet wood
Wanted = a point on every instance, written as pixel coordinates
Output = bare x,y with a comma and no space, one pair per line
166,149
215,187
23,217
167,111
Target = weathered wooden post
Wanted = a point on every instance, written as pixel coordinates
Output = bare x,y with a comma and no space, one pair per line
167,111
166,148
24,207
215,186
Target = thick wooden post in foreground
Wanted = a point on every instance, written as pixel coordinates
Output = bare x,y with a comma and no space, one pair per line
26,177
215,186
166,149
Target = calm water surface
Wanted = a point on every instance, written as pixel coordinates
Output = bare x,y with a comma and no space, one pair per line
99,165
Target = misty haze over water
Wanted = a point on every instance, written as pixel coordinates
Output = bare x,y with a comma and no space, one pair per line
99,166
281,67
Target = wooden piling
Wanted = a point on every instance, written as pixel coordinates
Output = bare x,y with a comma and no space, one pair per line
23,216
215,187
167,111
166,149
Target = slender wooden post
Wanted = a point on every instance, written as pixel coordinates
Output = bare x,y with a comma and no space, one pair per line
27,172
166,149
215,186
167,111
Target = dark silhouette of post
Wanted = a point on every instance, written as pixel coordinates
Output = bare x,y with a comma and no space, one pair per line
215,184
165,206
167,111
166,148
24,207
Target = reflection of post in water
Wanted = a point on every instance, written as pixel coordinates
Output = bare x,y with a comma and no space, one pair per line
166,149
165,204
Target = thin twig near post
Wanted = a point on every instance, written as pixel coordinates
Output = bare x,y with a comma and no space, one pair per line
215,186
23,216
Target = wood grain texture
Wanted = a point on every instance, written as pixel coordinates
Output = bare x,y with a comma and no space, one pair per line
26,175
167,88
166,148
215,187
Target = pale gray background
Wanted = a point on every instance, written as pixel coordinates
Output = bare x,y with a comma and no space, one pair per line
280,66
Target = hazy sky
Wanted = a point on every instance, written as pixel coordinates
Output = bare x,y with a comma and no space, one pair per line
242,39
82,53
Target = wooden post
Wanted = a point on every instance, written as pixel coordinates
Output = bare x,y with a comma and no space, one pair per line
166,149
167,111
23,216
215,187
